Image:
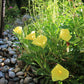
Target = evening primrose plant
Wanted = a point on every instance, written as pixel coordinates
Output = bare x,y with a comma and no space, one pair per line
51,45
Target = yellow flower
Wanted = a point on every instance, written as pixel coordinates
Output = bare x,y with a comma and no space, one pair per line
40,41
59,73
18,30
65,34
31,36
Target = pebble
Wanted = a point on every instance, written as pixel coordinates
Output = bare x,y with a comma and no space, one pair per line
5,68
17,69
13,60
27,80
16,79
4,46
11,52
21,81
1,60
1,42
11,82
14,56
7,61
21,77
19,73
3,81
0,57
11,74
32,83
1,74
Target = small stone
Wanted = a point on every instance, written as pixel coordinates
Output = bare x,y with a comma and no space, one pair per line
9,49
6,76
11,82
11,74
7,61
27,80
17,69
1,42
19,73
14,56
1,74
21,81
0,57
11,69
3,81
13,60
21,77
32,83
5,68
35,80
5,40
5,33
12,52
1,53
1,60
4,46
4,49
16,79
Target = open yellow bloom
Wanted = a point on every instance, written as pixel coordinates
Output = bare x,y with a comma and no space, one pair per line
59,73
31,36
40,41
18,30
65,34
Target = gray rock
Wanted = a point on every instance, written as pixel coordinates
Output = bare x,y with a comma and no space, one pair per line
4,46
11,74
18,22
21,81
5,68
16,79
11,82
4,49
21,77
1,60
1,42
3,81
12,52
7,61
14,56
35,80
9,43
19,73
11,69
0,57
17,69
5,33
5,40
26,17
27,80
13,60
1,53
6,76
1,74
9,49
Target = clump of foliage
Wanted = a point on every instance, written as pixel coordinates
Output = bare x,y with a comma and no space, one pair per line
56,39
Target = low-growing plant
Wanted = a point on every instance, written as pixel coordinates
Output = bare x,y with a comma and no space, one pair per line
53,44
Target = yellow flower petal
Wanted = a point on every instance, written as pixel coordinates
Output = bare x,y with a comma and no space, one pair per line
59,73
40,41
18,30
31,36
65,34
